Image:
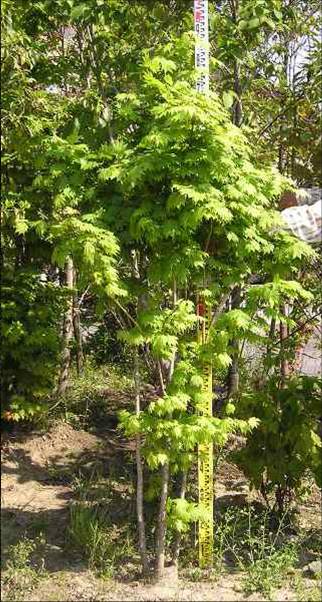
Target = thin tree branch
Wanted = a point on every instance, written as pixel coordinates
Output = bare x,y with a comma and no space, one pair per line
161,377
276,341
128,315
277,117
81,299
220,308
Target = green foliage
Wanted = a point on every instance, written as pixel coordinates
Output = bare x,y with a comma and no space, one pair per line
269,571
257,48
286,445
172,425
31,312
181,513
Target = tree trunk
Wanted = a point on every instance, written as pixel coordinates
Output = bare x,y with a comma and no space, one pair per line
67,331
173,359
237,116
78,334
237,108
233,371
285,368
162,523
139,472
162,518
139,466
178,537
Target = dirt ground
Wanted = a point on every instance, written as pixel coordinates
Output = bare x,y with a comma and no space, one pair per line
36,493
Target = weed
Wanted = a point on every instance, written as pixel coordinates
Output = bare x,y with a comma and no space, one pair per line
305,593
266,573
196,574
246,539
24,567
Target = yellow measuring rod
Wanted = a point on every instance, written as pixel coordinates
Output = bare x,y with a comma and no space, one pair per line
205,452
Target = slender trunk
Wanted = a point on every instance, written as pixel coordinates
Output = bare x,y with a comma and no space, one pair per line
285,368
139,464
162,517
67,331
238,108
237,116
270,340
173,359
96,64
165,474
162,523
178,537
272,329
139,472
162,385
77,332
233,372
62,34
281,157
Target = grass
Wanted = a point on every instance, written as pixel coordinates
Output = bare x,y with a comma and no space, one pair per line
90,536
104,544
85,402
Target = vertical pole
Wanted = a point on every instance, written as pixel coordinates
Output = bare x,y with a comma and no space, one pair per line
205,452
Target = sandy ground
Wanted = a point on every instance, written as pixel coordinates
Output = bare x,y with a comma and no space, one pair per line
36,494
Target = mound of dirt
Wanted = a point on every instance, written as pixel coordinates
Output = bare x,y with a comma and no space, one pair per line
55,445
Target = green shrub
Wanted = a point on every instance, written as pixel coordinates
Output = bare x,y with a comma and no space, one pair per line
31,313
268,572
285,447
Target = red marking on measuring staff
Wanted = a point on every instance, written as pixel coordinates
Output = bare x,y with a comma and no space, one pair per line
200,309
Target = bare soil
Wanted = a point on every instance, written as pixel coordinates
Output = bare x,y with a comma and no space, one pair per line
37,472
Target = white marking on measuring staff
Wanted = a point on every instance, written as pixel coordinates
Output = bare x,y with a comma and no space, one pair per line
202,44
